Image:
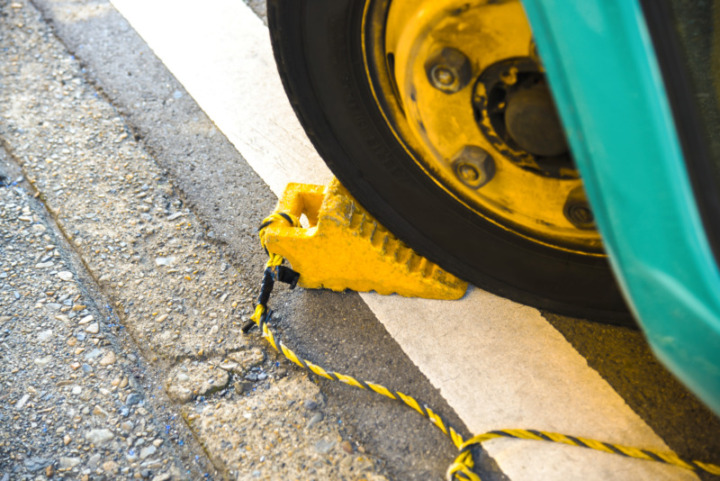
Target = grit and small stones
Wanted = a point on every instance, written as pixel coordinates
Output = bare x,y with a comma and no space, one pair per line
279,435
70,404
74,400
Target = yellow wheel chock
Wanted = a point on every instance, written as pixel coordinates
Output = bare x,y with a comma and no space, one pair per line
344,247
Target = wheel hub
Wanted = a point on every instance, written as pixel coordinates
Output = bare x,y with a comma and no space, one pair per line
515,112
461,85
532,122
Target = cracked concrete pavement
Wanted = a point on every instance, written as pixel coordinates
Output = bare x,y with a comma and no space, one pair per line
158,277
75,400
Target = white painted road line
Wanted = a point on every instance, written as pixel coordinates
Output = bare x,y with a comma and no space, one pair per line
247,101
499,364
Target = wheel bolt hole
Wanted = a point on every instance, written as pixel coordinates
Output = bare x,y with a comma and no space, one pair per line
468,173
443,76
473,166
581,214
448,70
510,77
577,210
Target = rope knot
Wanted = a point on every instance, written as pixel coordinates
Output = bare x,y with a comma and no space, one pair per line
289,219
462,467
275,259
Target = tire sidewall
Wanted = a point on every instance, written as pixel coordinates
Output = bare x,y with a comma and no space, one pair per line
319,52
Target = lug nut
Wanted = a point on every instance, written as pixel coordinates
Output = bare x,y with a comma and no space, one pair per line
473,166
577,210
448,70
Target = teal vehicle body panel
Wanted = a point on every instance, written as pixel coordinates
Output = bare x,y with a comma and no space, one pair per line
605,78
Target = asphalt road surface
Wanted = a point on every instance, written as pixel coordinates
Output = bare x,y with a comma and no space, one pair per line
195,90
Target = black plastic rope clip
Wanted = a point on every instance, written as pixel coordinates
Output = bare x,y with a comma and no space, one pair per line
288,276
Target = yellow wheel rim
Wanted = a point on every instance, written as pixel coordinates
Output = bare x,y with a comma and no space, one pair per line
448,76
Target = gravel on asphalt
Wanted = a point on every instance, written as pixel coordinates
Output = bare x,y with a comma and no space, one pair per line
165,280
71,404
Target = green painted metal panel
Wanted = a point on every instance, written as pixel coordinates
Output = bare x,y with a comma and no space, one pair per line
605,78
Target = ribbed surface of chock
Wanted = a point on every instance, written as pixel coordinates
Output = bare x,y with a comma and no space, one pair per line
344,247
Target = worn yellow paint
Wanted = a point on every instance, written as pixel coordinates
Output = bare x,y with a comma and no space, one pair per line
434,126
344,247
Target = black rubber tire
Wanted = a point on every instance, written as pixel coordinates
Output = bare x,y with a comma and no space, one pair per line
317,45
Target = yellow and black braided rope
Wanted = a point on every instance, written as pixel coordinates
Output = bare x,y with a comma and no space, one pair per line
462,467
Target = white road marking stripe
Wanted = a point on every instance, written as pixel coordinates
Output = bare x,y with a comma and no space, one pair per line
220,51
498,364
